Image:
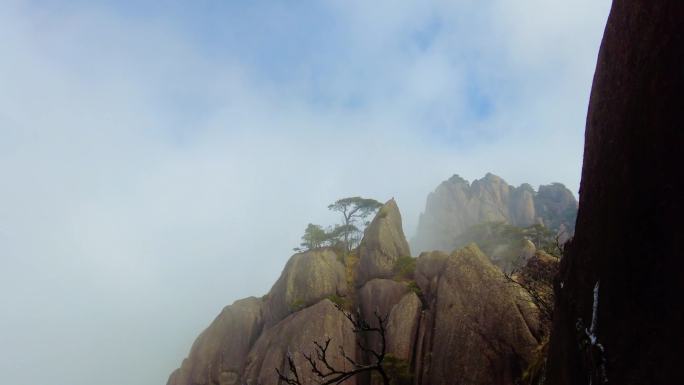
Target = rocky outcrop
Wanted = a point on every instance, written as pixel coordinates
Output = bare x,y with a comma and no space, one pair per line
402,326
218,355
556,208
458,319
383,243
536,278
307,278
380,295
475,329
618,297
295,334
402,307
456,205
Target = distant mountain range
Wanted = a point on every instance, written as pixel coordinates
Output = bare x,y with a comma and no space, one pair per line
457,205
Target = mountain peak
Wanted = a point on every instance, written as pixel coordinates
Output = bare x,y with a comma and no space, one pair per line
383,243
451,210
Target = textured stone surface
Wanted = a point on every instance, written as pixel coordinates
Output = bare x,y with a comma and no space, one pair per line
393,300
457,205
475,330
218,354
383,243
380,295
295,334
402,308
402,326
463,323
307,278
629,227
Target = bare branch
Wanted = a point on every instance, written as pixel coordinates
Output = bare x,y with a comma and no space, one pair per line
326,372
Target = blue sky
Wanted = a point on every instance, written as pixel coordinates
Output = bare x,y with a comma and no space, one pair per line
161,159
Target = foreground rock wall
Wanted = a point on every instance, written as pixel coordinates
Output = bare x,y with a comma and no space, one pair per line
619,315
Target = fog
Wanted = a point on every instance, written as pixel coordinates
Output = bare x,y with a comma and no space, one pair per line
160,162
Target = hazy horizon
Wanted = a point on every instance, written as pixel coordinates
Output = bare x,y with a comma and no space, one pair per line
161,161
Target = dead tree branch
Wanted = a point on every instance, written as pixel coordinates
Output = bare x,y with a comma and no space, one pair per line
319,361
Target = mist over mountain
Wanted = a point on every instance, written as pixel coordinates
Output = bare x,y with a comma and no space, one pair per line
604,310
457,205
161,160
446,316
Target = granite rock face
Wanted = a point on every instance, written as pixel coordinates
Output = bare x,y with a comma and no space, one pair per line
218,355
383,243
458,319
402,307
296,334
307,278
456,205
624,268
380,295
475,329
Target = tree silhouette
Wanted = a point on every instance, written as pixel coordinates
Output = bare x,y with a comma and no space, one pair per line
328,374
353,210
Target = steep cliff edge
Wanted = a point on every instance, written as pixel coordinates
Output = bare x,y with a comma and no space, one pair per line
456,205
451,316
383,243
218,355
618,312
476,328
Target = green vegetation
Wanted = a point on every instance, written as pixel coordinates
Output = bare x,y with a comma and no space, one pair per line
414,288
297,305
398,370
353,210
314,237
543,238
344,237
404,267
351,260
507,243
490,235
340,302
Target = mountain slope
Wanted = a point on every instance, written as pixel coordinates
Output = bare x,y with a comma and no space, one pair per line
452,316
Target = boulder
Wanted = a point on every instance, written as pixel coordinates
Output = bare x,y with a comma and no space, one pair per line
401,307
475,330
380,295
383,243
296,334
218,354
402,326
307,278
393,300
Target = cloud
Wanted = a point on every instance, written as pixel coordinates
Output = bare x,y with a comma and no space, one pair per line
159,164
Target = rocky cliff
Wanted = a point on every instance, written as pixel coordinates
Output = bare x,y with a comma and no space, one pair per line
618,312
456,205
451,318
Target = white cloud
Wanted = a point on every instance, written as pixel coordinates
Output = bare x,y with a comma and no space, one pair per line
146,184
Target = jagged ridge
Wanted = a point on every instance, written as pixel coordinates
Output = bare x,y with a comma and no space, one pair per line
457,320
457,205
